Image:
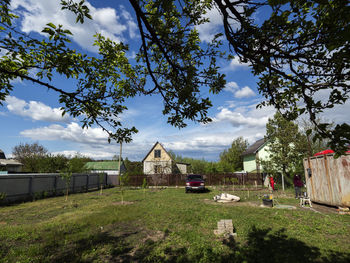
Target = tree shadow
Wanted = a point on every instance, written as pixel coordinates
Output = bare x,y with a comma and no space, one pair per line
262,245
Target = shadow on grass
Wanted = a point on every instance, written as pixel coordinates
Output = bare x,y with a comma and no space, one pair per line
262,245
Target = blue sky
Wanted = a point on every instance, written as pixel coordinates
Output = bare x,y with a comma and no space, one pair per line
31,113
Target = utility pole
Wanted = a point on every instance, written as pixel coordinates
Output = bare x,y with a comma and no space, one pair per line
120,156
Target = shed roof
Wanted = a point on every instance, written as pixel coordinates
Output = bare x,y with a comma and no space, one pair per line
254,147
103,165
2,155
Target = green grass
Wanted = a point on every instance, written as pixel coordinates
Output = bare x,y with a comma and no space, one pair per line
168,226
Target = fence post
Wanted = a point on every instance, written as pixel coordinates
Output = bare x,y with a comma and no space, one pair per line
55,185
30,189
73,190
87,182
106,178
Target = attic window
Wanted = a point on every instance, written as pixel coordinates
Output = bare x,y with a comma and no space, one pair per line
156,153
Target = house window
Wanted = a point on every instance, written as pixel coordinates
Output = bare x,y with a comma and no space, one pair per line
157,169
156,153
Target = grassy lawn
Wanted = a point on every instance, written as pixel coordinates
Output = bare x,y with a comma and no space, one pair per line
168,226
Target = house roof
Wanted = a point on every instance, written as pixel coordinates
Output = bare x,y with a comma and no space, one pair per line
9,162
254,147
103,165
183,163
153,148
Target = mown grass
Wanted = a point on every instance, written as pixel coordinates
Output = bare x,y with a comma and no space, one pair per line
168,226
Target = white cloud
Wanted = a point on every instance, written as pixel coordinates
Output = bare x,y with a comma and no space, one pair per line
238,119
37,13
35,110
245,92
132,26
90,154
236,63
246,116
215,25
231,86
208,30
72,132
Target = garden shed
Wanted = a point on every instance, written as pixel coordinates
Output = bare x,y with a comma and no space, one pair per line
328,179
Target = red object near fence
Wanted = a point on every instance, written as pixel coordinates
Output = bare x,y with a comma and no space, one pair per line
326,152
272,183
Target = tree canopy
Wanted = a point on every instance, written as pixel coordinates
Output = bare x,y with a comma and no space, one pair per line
36,159
231,159
299,49
23,151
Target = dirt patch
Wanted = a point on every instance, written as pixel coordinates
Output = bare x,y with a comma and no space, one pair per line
3,223
131,242
240,203
323,209
123,203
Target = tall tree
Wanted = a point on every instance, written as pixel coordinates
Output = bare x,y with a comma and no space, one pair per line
29,155
231,159
298,48
286,145
133,168
22,151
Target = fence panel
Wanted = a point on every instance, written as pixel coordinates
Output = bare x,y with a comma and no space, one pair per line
23,186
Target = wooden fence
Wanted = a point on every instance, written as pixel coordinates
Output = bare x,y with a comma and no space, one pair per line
241,179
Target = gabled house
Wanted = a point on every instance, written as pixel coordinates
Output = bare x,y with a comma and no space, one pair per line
9,165
159,161
108,167
255,152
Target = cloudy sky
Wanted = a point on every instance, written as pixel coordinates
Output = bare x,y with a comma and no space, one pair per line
32,114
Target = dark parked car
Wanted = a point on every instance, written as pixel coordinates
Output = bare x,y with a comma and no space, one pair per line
195,182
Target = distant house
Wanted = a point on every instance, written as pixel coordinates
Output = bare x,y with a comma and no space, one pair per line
159,161
9,165
108,167
257,151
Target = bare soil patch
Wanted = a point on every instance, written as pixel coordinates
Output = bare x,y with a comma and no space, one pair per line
123,203
239,203
321,208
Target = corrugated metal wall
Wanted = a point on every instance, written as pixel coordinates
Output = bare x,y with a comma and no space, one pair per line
22,186
328,179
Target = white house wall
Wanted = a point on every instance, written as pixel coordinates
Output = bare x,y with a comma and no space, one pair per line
182,168
148,167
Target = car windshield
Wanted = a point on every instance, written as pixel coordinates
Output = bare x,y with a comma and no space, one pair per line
195,177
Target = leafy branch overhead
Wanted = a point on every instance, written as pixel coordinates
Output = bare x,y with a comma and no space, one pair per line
299,49
103,83
300,53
